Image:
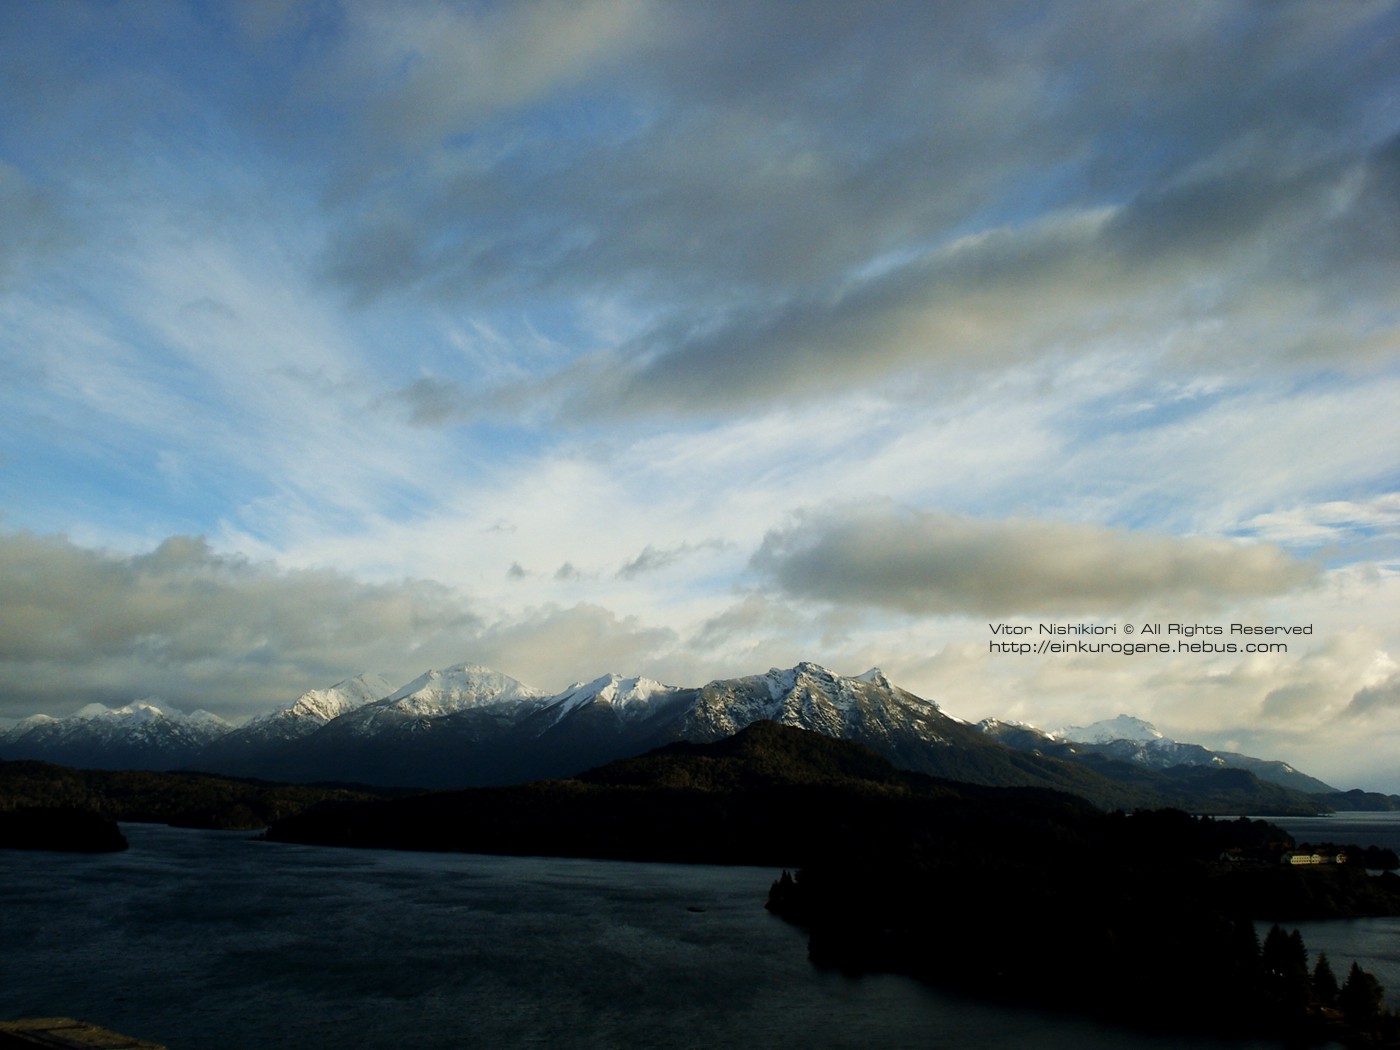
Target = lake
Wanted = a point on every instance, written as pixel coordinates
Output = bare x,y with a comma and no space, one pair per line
217,941
1357,828
1374,943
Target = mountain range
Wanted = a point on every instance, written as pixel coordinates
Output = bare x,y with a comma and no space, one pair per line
1131,740
467,726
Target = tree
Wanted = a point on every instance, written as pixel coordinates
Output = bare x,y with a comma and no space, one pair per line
1361,997
1284,962
1324,981
1283,954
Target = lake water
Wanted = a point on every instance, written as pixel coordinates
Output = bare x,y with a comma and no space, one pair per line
215,941
1374,943
1354,828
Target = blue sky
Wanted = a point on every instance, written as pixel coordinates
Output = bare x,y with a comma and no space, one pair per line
694,339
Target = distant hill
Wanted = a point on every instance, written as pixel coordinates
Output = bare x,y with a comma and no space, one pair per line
1356,799
1120,747
769,794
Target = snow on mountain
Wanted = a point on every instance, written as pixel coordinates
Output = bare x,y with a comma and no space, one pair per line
137,735
434,694
628,698
1122,727
24,725
457,689
1132,740
137,719
466,725
810,696
315,708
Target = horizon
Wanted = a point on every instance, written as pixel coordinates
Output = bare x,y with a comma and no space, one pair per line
696,338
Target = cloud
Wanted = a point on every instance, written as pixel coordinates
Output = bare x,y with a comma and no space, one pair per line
552,646
35,226
205,629
195,626
773,207
1244,253
1382,697
928,563
429,401
1294,702
1334,521
437,291
421,73
654,559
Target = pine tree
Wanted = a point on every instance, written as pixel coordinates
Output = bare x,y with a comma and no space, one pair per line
1361,997
1284,962
1283,954
1297,954
1324,981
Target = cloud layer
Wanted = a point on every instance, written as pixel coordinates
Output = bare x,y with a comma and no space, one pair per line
936,564
687,339
234,636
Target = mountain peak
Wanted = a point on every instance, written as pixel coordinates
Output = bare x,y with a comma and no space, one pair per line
627,697
457,688
875,676
1121,727
93,710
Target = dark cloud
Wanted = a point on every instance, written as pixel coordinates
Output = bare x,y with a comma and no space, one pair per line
34,223
1208,251
1290,703
774,191
941,564
654,559
203,629
198,627
735,154
429,401
1374,699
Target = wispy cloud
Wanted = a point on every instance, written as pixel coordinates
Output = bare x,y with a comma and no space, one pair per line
679,338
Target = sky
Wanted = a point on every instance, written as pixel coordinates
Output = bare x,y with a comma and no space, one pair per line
690,340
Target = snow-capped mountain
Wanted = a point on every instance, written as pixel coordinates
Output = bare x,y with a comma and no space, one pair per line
464,687
314,709
255,748
1121,727
628,699
809,696
1136,742
138,735
431,732
468,726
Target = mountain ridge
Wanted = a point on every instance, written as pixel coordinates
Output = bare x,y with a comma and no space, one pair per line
1125,738
467,725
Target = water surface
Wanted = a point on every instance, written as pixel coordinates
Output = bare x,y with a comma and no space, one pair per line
213,941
